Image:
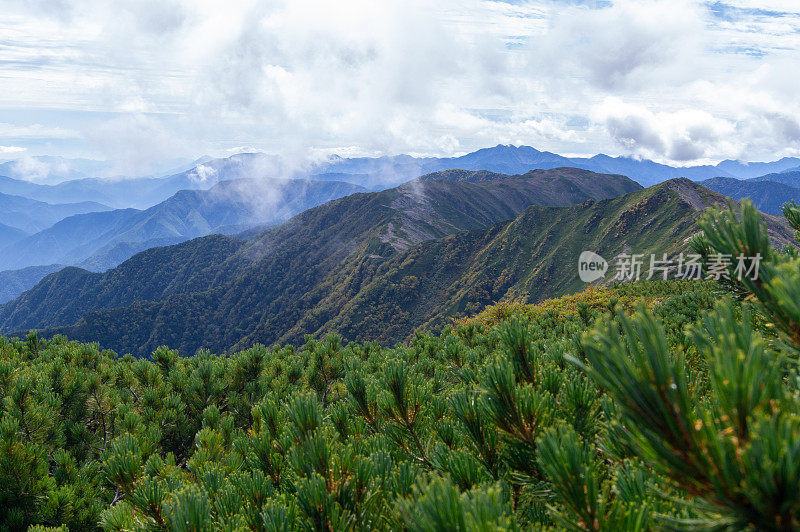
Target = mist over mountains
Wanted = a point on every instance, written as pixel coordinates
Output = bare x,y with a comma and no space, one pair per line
97,223
298,271
100,240
52,170
374,173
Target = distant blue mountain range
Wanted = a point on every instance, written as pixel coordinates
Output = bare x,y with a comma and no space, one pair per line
520,159
374,173
102,239
768,192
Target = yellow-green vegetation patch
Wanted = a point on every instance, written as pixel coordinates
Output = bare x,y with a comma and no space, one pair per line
622,296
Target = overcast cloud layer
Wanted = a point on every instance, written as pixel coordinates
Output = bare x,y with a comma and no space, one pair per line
139,81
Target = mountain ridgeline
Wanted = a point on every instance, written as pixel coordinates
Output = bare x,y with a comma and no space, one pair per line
219,291
31,216
531,258
518,159
375,173
768,193
100,240
10,235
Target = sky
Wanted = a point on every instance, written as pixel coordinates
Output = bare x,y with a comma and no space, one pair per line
140,82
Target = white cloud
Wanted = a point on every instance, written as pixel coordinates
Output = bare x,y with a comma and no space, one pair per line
10,150
685,135
35,170
135,143
677,80
631,44
202,174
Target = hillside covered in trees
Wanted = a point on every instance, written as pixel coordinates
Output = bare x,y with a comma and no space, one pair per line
380,287
101,240
667,404
261,286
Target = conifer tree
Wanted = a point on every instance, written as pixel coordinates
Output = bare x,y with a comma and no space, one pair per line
727,433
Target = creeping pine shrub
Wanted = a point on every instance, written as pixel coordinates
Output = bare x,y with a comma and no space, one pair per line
665,405
727,439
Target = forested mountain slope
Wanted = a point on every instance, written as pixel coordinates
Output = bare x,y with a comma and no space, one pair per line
285,271
530,258
64,296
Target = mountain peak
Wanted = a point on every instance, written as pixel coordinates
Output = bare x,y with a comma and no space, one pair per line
509,149
695,195
500,148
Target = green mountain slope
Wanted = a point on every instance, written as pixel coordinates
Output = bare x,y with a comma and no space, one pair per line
63,297
270,283
531,258
555,182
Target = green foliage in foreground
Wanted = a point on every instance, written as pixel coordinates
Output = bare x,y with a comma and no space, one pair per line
464,430
586,413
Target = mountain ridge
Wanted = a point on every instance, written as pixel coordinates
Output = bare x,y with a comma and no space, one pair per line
512,159
101,239
10,235
374,173
32,215
289,264
366,300
462,273
790,178
768,196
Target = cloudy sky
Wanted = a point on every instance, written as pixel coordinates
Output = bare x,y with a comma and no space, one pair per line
141,81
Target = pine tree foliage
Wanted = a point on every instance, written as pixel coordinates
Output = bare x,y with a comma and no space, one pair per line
481,427
646,406
718,417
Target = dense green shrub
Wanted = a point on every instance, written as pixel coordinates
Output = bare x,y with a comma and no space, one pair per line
726,432
472,428
654,405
